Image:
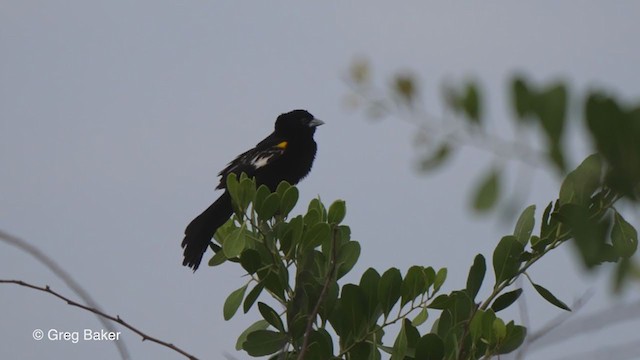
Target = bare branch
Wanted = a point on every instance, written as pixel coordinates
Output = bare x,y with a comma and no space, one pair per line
98,312
587,324
621,351
58,271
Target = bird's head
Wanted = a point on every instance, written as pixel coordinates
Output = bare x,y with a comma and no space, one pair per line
297,123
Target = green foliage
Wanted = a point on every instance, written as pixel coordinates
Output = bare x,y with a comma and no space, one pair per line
525,224
624,237
487,192
615,130
505,300
476,276
547,107
550,297
405,88
467,101
298,260
233,301
506,258
613,127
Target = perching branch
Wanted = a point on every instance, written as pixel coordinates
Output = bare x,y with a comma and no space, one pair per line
101,314
316,309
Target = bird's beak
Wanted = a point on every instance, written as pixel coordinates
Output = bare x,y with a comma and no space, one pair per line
315,122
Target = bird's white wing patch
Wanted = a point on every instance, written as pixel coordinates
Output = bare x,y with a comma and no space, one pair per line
264,157
260,160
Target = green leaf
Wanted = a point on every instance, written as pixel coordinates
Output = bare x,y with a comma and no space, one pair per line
261,195
264,342
337,212
289,200
413,285
615,132
624,236
293,235
461,307
538,244
312,217
430,347
547,223
369,285
405,87
271,316
547,295
476,325
525,224
514,338
362,350
522,99
258,325
316,204
224,231
499,329
360,72
315,236
488,318
422,316
487,191
347,257
476,276
467,100
269,207
590,236
353,316
320,345
472,103
441,276
234,243
429,275
440,302
551,107
548,107
233,301
436,158
389,289
505,300
232,185
252,297
217,259
580,184
246,192
250,261
283,186
506,258
400,345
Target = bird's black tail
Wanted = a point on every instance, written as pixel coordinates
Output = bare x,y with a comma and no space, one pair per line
199,232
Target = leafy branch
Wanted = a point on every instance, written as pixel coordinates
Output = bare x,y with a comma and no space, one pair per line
317,248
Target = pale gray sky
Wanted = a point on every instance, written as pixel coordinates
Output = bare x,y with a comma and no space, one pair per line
115,118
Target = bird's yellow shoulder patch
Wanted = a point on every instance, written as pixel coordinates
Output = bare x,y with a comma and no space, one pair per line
282,145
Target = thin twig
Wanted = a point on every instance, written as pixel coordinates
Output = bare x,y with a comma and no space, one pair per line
553,324
58,271
316,309
98,312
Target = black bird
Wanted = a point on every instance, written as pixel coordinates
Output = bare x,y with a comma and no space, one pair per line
286,154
